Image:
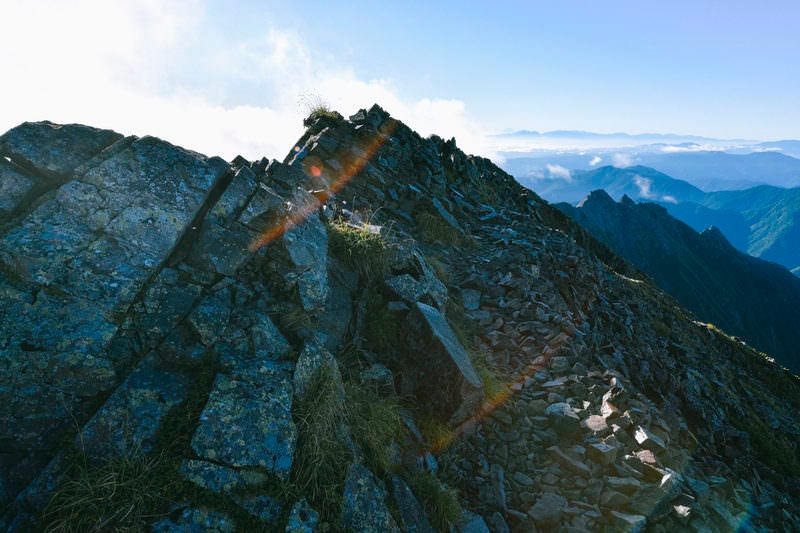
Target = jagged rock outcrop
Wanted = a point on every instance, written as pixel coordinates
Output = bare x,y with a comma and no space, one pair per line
238,318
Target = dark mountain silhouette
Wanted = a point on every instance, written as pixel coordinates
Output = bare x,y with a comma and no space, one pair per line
749,297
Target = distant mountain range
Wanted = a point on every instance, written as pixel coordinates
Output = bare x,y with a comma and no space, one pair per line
748,297
648,137
762,221
709,170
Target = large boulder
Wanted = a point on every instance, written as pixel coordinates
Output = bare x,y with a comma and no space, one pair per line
444,375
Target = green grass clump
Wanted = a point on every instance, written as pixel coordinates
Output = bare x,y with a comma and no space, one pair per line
375,423
773,451
117,496
358,248
435,228
439,501
493,387
321,458
317,108
435,431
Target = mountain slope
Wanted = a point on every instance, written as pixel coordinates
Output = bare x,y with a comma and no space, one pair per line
636,182
712,171
763,221
321,343
773,215
754,299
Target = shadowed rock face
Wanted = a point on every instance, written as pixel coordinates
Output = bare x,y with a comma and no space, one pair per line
433,337
146,289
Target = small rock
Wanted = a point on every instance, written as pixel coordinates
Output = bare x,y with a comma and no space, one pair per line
522,479
563,418
471,299
379,378
412,515
547,511
602,453
471,523
302,519
632,523
648,439
568,462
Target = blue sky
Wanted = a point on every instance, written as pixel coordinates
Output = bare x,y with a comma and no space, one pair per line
226,77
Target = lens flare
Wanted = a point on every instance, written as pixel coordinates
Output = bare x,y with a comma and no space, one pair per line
351,161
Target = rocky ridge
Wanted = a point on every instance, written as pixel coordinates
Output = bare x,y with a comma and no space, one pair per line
159,302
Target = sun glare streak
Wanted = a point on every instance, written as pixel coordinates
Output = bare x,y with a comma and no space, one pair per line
351,164
490,404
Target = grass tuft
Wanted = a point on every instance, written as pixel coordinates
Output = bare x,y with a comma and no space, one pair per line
321,457
433,228
375,422
435,431
358,248
439,501
117,496
316,107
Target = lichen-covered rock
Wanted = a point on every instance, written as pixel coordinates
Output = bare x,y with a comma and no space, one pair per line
311,361
196,521
412,515
247,421
128,421
235,484
14,185
84,254
307,246
364,509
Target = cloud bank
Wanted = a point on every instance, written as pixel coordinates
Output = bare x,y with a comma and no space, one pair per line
164,69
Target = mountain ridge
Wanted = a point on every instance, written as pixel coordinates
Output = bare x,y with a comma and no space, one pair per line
160,303
746,296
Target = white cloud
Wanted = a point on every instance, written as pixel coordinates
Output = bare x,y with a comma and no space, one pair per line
557,171
595,161
670,199
692,148
622,160
644,185
147,67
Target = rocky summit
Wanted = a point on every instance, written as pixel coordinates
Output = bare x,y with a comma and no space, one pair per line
380,333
